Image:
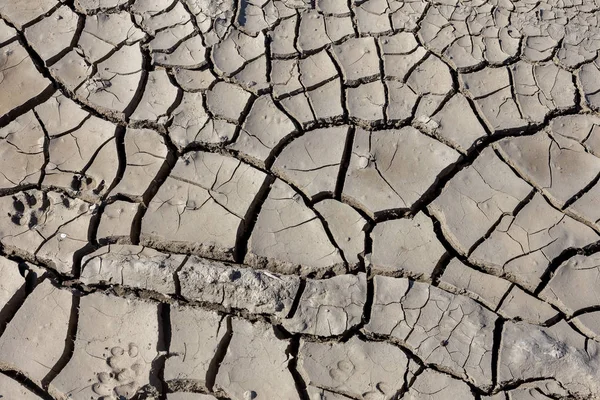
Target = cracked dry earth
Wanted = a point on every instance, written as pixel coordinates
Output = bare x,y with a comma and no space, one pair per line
290,199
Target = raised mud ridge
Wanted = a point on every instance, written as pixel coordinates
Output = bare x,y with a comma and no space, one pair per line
294,199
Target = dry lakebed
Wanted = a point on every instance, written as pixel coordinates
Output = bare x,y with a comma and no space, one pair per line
299,199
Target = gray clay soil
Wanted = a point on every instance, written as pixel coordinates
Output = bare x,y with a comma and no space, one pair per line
294,199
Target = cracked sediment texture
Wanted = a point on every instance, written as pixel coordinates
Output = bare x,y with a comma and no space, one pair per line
299,199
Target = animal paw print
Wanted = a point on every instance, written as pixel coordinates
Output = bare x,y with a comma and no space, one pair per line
81,183
123,381
29,209
341,371
382,392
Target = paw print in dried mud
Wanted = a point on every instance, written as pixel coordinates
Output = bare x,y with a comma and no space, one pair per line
124,379
341,371
29,209
81,183
382,392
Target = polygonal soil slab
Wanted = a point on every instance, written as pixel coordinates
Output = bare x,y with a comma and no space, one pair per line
216,190
356,368
392,169
451,331
35,338
19,76
249,371
289,236
112,355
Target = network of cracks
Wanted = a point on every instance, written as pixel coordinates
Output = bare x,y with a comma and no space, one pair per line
290,199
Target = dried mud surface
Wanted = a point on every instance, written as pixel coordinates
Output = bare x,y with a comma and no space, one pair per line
294,199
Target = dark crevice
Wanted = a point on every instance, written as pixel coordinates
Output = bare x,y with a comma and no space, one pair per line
12,306
292,354
440,182
492,229
77,35
176,280
39,17
366,317
278,148
14,190
157,377
585,310
220,353
504,296
283,143
451,253
26,383
121,156
296,302
340,76
582,192
328,232
30,282
556,262
365,258
247,225
344,163
515,384
552,203
242,118
146,67
95,221
386,95
366,312
409,382
148,195
8,41
450,250
440,267
27,106
69,347
498,328
480,119
78,257
305,89
46,149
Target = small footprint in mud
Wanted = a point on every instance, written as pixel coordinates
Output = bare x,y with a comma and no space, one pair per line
124,379
342,371
382,391
81,183
29,209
